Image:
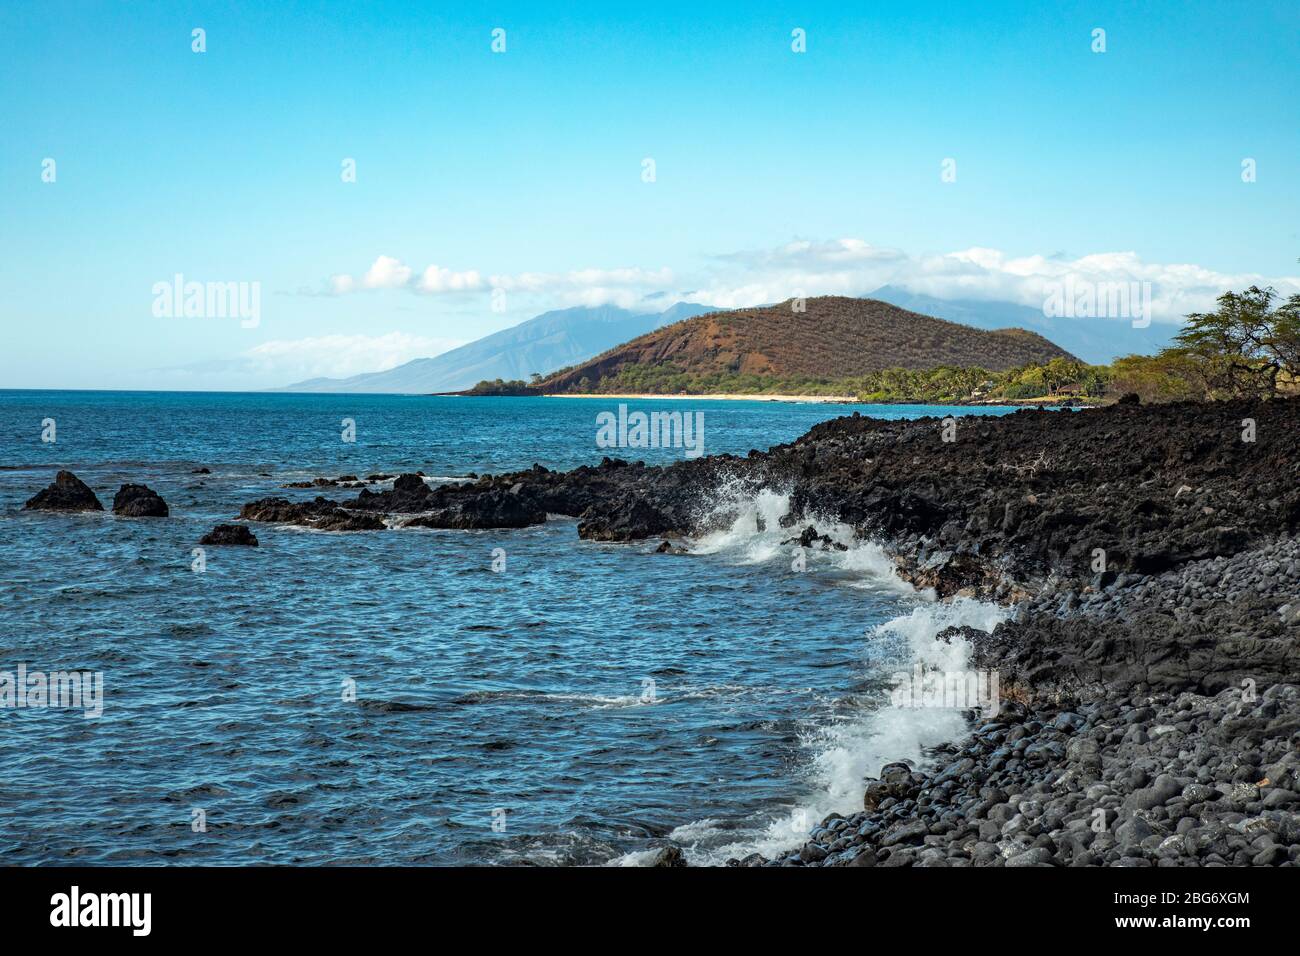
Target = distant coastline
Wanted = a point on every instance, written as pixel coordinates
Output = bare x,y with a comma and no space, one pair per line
721,396
1046,401
1053,401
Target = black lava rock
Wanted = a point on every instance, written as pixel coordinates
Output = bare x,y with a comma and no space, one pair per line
139,501
230,534
67,493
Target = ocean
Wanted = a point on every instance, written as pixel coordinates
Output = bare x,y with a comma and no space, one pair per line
425,696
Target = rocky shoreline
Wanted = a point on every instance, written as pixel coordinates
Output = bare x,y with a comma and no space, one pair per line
1153,723
1150,713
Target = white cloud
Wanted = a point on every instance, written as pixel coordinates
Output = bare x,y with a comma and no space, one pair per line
386,273
626,287
437,279
582,279
854,267
846,266
622,287
807,253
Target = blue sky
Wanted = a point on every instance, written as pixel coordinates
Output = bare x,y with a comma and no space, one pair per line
776,173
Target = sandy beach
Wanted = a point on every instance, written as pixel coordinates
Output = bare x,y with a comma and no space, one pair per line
824,399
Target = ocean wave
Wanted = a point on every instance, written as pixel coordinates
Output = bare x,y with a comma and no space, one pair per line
756,528
841,754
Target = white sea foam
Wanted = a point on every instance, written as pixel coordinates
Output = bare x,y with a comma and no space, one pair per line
842,754
914,633
743,540
637,858
755,536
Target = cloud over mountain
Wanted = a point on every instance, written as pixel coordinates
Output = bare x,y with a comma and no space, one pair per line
846,266
855,267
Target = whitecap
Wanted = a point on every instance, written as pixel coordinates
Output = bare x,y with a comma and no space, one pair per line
842,754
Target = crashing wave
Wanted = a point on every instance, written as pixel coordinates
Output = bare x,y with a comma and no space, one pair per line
756,527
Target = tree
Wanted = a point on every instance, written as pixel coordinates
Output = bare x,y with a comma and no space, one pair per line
1243,347
1094,380
1059,372
1167,377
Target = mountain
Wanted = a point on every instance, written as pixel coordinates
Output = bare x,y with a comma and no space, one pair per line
541,344
835,337
1097,341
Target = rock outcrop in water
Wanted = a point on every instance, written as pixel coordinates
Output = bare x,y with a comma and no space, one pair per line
67,493
70,493
518,500
233,534
139,501
320,513
342,481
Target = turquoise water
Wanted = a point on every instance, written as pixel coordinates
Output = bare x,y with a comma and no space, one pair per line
585,704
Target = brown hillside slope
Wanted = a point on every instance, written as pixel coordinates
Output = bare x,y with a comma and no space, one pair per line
835,338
